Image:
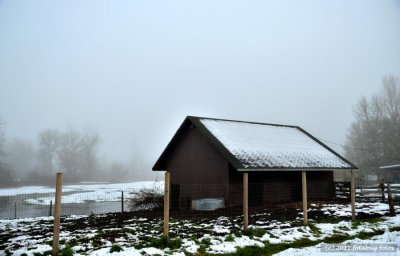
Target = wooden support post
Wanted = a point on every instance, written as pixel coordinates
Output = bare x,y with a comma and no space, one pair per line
57,214
392,211
51,207
304,190
353,196
166,203
122,201
382,187
245,201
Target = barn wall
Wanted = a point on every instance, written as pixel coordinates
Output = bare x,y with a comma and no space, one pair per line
281,186
195,161
320,185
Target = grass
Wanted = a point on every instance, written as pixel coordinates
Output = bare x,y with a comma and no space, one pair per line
206,241
116,248
314,229
366,235
355,224
165,242
270,249
303,242
397,228
255,232
202,249
229,238
66,251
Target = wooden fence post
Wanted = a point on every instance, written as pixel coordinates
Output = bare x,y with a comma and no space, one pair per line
166,203
304,192
382,187
50,208
15,210
122,201
353,196
245,201
57,214
392,212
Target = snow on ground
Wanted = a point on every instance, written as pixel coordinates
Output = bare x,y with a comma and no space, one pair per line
81,193
214,236
26,190
353,247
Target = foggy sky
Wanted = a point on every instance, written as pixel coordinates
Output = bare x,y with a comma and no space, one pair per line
132,70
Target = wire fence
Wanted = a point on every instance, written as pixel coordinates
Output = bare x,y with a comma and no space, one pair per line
81,199
186,200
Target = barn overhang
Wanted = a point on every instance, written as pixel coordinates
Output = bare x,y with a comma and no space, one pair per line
297,169
395,167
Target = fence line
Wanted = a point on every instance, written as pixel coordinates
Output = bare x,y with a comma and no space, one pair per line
368,191
84,199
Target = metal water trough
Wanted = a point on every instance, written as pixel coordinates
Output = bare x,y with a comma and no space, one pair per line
208,204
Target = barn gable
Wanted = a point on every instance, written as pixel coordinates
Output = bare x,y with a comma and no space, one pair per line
194,159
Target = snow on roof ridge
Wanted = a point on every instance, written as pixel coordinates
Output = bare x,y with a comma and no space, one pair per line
389,166
241,121
258,145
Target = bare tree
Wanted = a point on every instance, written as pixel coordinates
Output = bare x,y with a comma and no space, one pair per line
88,153
21,156
5,171
49,144
374,137
68,152
2,141
78,153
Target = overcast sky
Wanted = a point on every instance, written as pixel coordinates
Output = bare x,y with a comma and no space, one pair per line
132,70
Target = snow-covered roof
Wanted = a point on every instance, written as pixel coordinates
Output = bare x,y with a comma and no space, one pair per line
266,146
395,167
249,146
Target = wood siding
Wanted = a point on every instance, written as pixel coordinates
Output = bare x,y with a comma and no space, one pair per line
282,186
192,163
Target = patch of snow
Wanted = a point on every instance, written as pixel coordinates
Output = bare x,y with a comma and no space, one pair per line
152,251
229,247
221,229
190,246
126,251
40,249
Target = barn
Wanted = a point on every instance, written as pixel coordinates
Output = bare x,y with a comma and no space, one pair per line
211,158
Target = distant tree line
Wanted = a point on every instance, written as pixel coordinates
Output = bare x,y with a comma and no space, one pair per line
72,152
5,172
374,137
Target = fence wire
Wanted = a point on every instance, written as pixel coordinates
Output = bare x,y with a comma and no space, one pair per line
82,199
186,200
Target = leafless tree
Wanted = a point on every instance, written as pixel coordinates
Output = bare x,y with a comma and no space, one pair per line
77,153
49,144
374,137
21,156
5,171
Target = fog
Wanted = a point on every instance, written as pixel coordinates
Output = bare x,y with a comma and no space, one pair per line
130,71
